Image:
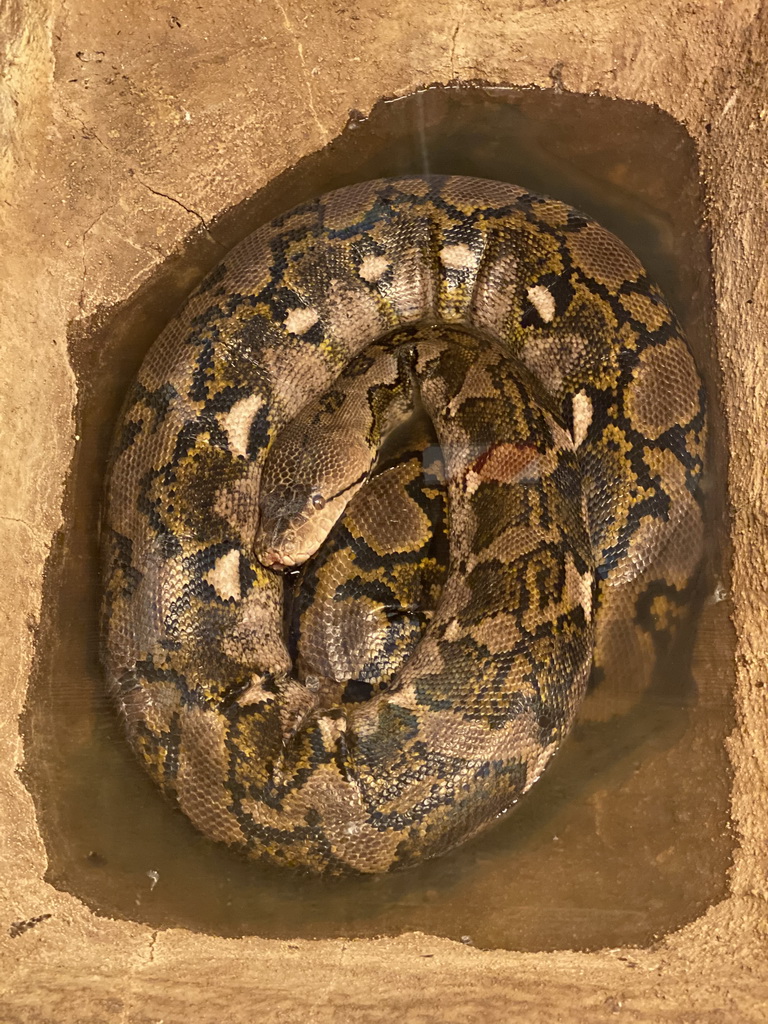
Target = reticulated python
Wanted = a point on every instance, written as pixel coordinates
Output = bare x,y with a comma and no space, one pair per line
440,661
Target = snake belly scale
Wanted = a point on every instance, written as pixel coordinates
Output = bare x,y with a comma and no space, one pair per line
571,420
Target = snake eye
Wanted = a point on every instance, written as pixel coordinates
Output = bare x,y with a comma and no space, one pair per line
318,501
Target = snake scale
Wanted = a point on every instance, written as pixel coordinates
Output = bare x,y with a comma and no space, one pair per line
539,504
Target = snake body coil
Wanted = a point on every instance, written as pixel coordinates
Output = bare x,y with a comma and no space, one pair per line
570,419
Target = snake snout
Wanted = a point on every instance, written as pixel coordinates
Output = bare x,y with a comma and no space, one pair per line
273,559
281,549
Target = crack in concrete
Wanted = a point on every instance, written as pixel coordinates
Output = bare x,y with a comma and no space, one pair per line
192,212
91,133
146,956
88,133
323,999
83,236
173,199
453,50
307,76
20,522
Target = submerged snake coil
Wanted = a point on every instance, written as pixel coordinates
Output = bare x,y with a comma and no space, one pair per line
574,523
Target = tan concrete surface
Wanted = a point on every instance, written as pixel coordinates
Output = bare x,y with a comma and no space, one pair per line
127,125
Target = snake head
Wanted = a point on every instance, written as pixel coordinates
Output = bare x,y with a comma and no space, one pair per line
308,480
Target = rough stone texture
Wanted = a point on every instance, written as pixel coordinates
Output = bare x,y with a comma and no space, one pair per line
126,125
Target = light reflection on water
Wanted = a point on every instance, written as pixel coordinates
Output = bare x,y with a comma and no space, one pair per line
625,836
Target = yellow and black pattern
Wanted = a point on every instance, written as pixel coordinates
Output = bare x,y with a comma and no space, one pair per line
360,606
573,516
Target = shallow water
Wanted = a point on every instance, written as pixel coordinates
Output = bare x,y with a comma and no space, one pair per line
626,835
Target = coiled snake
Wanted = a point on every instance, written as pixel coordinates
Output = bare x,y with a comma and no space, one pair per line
441,655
